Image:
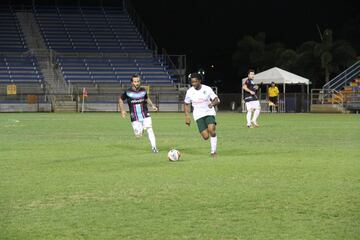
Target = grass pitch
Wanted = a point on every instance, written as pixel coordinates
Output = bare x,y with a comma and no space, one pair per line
85,176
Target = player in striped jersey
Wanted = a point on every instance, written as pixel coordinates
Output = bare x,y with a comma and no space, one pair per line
137,100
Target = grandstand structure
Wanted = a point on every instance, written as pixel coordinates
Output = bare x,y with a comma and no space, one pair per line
341,94
51,53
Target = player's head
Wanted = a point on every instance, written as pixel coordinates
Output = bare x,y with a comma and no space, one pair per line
195,79
251,73
135,81
272,84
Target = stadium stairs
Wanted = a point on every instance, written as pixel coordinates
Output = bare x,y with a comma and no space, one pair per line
18,71
340,95
38,48
100,49
62,49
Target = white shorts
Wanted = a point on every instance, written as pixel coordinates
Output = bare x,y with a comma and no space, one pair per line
253,105
139,126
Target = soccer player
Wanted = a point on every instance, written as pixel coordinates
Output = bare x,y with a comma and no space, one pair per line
203,99
138,99
251,100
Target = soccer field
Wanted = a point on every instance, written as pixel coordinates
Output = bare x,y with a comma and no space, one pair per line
85,176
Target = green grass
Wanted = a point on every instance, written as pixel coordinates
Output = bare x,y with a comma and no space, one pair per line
85,176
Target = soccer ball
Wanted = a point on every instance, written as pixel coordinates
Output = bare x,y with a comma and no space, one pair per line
174,155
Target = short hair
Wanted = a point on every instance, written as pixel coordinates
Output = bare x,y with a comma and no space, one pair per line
251,70
136,75
198,76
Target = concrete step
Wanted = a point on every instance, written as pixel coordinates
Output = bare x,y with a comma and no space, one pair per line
326,108
63,98
65,106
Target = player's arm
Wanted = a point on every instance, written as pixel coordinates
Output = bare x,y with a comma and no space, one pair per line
122,108
187,113
214,102
214,99
245,88
151,104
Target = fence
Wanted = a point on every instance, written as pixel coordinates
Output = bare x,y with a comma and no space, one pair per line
295,102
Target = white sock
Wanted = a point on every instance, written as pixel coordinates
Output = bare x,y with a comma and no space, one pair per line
248,118
151,136
256,115
213,143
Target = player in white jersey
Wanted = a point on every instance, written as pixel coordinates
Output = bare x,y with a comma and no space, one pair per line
203,99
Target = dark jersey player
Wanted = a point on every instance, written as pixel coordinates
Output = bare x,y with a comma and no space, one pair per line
137,100
251,100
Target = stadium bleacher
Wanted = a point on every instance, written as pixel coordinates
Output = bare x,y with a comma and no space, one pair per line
15,68
77,70
11,36
88,29
19,70
99,48
97,31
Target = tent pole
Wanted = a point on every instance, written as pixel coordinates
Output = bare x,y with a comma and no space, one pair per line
307,98
302,98
242,97
284,97
267,98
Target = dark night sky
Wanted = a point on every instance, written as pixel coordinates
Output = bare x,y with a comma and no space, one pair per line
202,25
207,31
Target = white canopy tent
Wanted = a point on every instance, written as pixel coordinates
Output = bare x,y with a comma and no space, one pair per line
279,76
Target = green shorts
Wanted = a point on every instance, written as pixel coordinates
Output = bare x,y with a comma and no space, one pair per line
203,122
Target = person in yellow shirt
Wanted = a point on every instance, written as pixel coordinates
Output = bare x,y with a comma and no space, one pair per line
273,95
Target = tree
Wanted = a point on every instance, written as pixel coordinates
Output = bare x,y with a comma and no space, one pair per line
307,64
334,55
313,60
249,53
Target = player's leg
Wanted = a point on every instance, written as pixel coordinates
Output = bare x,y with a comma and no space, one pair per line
256,106
276,104
211,127
205,134
147,123
248,114
138,128
271,104
202,126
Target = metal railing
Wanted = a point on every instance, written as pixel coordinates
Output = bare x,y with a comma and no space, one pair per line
295,102
31,98
343,78
176,64
321,96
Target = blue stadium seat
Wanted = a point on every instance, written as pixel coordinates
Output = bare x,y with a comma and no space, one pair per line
98,30
20,70
112,70
11,36
90,29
